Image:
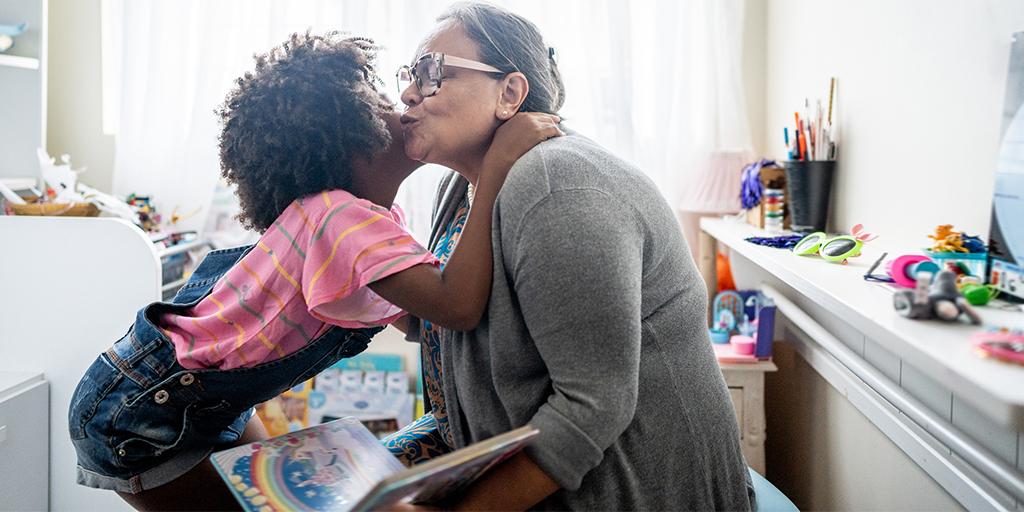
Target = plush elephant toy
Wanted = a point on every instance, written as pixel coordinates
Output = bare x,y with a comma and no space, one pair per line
934,298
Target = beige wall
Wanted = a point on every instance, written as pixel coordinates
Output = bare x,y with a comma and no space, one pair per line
75,107
921,92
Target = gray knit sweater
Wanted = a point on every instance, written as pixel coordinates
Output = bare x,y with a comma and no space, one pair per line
595,334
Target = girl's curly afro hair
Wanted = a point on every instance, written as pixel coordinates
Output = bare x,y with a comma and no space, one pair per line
292,126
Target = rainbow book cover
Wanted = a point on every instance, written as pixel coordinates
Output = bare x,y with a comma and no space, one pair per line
342,466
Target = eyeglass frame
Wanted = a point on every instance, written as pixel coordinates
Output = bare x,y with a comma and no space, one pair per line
442,61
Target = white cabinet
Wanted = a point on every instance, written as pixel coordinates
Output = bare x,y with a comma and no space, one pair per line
79,283
24,432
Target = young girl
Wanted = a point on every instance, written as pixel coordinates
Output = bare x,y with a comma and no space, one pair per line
316,154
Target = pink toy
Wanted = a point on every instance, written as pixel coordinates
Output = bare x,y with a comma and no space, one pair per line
1001,345
903,269
742,345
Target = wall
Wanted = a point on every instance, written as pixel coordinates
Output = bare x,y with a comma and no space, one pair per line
825,455
75,118
921,88
921,91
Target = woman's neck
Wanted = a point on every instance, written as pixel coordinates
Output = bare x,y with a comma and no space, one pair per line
469,167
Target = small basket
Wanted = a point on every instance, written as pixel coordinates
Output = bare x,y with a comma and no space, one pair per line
56,209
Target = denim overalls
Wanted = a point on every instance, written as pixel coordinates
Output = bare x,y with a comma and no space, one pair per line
138,419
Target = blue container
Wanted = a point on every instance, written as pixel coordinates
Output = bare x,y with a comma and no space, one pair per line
765,332
974,261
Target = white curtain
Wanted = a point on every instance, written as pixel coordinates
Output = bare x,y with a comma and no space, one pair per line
657,82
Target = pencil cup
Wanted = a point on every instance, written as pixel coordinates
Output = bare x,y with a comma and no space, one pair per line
809,187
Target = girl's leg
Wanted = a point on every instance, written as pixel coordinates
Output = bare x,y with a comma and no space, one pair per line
199,489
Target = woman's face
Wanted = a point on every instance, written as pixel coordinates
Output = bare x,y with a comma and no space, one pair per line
454,126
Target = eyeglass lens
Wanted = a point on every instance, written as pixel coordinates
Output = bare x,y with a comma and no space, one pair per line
807,243
838,247
428,76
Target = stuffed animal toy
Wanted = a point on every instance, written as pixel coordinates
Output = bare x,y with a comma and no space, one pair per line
934,298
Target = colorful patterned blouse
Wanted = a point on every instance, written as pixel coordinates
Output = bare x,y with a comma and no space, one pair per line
431,435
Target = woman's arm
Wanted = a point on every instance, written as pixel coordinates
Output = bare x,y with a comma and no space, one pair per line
456,297
494,492
576,262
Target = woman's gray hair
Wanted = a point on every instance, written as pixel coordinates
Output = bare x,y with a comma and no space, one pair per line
512,43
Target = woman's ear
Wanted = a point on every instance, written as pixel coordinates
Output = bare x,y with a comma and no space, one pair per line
514,89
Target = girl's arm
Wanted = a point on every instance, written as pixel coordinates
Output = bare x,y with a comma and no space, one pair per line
456,297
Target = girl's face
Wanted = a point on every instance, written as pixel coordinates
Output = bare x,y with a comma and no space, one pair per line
453,127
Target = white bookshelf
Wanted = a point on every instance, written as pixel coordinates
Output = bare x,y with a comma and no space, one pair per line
23,89
15,61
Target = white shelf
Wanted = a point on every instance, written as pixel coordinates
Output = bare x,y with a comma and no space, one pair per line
15,61
942,350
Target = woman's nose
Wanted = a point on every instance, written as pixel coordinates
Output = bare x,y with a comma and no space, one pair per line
411,95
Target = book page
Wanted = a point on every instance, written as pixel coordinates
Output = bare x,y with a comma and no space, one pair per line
326,467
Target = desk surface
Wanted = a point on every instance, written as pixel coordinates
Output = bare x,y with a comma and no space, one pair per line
943,350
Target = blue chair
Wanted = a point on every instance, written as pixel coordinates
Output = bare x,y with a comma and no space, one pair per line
770,499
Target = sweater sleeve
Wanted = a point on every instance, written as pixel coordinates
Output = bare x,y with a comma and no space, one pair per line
577,265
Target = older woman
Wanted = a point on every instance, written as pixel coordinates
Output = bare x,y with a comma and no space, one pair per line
595,332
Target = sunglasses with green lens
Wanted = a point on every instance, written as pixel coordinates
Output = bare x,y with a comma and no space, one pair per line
835,249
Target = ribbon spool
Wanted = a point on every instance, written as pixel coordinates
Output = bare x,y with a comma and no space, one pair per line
905,268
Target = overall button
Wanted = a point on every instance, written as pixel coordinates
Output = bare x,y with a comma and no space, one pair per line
187,379
161,396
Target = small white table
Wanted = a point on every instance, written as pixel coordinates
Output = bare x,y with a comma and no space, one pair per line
24,434
746,388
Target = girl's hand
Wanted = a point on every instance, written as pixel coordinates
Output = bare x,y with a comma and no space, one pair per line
518,135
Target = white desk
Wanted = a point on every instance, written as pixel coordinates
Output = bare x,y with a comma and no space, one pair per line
958,416
940,349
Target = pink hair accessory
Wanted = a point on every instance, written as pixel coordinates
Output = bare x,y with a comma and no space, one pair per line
858,232
1002,345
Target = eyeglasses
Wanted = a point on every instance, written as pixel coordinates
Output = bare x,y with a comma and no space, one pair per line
428,72
835,249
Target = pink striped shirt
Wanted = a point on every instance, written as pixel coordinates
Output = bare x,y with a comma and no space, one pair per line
309,271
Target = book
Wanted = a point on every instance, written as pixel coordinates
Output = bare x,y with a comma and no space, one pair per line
341,466
287,412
